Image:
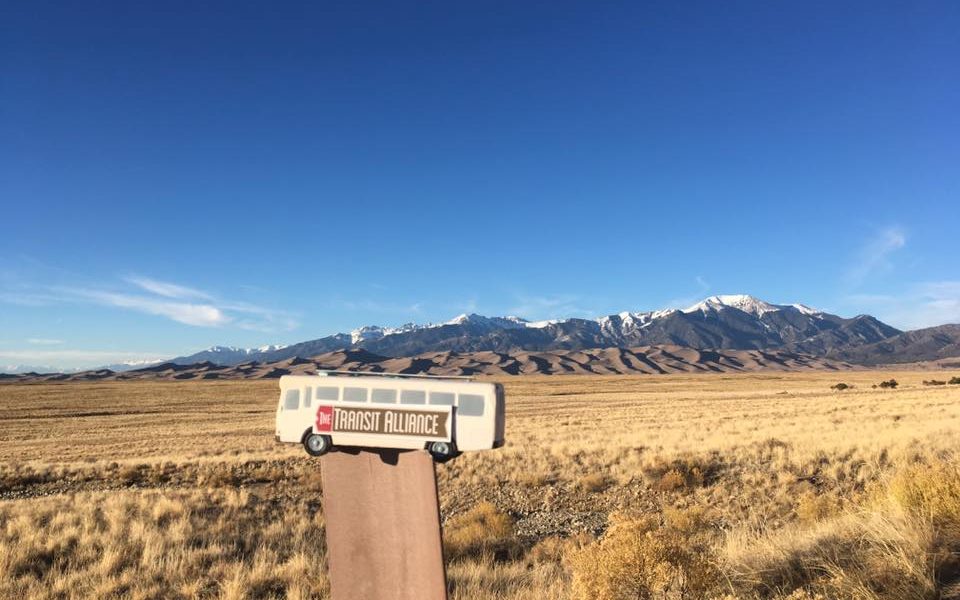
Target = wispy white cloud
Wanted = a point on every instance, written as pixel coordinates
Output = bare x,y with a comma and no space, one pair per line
44,341
166,289
27,297
258,318
173,301
920,305
874,256
684,301
188,313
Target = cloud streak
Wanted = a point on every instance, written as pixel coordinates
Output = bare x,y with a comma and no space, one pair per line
685,301
188,313
44,341
875,254
922,305
178,303
168,290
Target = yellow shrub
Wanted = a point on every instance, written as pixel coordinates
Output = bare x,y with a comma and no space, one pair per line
931,491
671,481
638,558
597,482
484,529
812,507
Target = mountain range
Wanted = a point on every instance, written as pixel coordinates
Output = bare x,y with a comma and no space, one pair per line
730,322
715,329
598,361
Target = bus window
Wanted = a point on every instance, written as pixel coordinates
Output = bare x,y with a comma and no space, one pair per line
354,394
292,400
413,397
327,393
384,396
441,398
470,405
307,394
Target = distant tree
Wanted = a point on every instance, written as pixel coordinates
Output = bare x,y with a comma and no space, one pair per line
840,386
892,383
955,381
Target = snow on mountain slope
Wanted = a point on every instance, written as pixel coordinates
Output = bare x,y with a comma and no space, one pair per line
375,332
735,321
747,304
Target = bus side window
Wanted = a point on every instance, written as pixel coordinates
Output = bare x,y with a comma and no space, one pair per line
470,405
307,394
354,394
327,393
291,401
413,397
441,398
384,396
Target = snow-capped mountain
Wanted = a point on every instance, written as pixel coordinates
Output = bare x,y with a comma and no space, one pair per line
375,332
231,355
747,304
130,365
738,322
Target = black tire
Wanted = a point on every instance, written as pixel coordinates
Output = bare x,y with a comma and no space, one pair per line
316,444
443,451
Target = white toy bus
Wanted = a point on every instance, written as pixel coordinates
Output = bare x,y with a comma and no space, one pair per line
444,415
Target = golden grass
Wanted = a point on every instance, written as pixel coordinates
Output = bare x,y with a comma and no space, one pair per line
725,486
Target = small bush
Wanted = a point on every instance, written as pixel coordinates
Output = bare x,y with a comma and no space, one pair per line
594,483
131,474
934,382
812,507
672,481
640,558
534,480
557,549
954,381
840,386
484,529
682,472
889,384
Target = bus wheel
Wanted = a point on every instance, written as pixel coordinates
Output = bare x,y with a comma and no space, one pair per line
317,445
443,451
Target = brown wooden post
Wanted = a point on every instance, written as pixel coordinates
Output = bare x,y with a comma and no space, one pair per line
383,525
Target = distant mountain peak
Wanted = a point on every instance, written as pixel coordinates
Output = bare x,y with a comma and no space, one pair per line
236,350
746,303
483,321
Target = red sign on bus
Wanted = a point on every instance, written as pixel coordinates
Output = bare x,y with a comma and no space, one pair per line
324,418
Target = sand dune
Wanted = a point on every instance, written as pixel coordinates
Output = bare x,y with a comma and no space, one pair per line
600,361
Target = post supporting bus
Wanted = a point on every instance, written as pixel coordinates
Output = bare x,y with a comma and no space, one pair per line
382,525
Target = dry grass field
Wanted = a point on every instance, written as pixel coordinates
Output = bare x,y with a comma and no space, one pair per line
707,486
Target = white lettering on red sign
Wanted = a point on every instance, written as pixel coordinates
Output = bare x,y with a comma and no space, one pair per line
324,418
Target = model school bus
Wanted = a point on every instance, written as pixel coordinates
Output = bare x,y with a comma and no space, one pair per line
444,415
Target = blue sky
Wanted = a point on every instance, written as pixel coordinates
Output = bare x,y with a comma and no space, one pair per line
174,176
